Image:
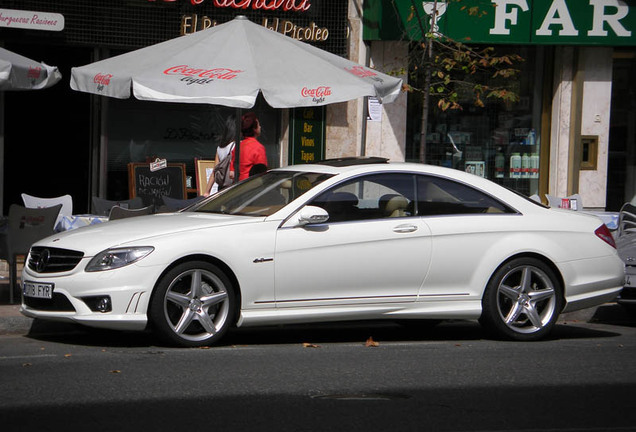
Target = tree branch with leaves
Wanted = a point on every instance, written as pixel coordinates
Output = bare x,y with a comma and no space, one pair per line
455,72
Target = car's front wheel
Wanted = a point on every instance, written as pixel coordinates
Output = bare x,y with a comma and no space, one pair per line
193,304
522,300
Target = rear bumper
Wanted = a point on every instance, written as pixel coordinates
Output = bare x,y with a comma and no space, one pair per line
592,282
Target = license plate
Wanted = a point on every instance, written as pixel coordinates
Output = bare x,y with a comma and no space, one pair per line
37,290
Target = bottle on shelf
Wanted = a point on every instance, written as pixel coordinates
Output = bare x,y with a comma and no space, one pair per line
525,166
515,165
534,165
532,137
500,161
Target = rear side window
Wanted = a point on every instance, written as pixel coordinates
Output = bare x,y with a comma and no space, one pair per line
439,196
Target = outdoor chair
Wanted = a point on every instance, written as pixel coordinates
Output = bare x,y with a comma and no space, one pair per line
174,204
118,212
31,201
102,206
4,248
26,226
627,220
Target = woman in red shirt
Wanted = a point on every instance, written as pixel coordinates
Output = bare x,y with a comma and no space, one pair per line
251,151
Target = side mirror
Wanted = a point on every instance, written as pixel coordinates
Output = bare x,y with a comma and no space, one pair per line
312,215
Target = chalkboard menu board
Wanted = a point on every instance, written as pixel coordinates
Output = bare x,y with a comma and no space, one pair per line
151,186
307,135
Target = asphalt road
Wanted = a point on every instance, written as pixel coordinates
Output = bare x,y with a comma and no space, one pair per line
325,378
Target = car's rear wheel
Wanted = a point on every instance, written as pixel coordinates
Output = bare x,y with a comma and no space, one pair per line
193,304
522,300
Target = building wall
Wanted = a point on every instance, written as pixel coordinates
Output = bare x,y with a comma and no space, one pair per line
387,137
583,104
595,120
348,132
560,121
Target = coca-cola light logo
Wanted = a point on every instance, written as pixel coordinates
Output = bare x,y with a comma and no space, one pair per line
34,72
102,80
362,72
317,94
191,75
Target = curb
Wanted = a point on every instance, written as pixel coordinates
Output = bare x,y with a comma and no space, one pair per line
22,326
15,325
12,321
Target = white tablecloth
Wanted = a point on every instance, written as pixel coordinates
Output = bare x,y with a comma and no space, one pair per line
77,221
609,218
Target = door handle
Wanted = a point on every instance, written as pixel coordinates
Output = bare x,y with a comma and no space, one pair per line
406,228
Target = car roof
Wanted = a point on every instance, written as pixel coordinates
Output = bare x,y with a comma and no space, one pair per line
354,160
347,166
352,169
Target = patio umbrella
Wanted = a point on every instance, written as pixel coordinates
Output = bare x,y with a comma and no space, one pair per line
21,73
229,65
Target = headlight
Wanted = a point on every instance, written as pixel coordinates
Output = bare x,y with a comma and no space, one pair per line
117,257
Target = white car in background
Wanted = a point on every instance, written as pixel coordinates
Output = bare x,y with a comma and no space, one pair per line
350,239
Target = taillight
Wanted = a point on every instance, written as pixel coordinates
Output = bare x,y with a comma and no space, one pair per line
604,234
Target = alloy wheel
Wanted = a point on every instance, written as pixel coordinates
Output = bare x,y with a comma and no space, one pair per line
196,305
526,299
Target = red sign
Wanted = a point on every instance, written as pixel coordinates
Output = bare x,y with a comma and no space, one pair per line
284,5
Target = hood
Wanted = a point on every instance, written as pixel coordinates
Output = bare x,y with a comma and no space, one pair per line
95,238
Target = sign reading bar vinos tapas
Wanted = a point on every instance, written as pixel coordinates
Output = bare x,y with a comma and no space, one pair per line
562,22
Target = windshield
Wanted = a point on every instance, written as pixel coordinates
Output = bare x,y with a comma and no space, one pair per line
262,195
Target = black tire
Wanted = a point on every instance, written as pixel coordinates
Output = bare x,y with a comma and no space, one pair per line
522,301
193,305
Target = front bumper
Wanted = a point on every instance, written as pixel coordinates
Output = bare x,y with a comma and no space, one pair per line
128,288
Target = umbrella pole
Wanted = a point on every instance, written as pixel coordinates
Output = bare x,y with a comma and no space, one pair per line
363,133
237,145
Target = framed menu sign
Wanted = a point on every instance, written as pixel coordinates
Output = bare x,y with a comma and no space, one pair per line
152,186
307,135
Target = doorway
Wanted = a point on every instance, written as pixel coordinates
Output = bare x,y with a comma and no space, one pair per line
621,173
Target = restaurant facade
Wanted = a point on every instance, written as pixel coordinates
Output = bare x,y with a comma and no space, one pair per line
58,141
573,129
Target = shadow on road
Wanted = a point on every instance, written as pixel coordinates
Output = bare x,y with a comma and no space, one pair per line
341,332
568,408
614,314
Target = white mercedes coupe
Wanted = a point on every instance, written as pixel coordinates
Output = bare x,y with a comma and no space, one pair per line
348,239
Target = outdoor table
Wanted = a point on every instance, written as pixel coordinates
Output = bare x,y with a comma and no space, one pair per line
67,223
609,218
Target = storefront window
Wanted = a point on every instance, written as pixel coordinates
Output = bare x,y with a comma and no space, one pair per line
500,141
140,131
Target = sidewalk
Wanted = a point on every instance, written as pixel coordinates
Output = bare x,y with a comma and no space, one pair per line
12,321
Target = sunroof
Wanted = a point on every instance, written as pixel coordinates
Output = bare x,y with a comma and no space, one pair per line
354,160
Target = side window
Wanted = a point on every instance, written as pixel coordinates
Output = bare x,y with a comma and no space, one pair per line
370,197
438,196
